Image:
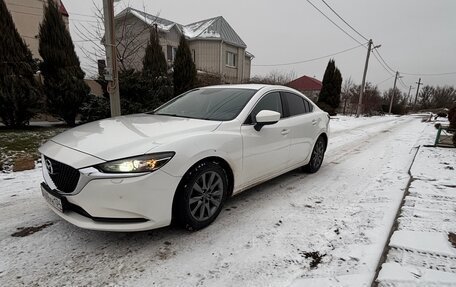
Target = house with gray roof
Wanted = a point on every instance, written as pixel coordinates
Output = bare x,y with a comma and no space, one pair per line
215,46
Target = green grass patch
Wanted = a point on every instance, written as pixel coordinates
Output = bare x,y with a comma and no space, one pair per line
23,143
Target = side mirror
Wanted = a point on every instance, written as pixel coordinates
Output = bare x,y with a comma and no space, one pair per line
266,117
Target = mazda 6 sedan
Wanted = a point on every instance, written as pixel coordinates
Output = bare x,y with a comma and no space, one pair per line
183,160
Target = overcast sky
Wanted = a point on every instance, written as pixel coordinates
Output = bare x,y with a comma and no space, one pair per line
417,36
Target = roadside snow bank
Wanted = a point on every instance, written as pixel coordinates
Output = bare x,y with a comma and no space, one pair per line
420,253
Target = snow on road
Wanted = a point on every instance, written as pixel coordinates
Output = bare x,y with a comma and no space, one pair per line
327,228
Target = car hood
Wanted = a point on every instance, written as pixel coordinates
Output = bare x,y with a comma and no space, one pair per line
131,135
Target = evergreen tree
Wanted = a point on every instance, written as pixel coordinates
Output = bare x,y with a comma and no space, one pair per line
155,74
184,68
154,62
19,94
329,97
64,84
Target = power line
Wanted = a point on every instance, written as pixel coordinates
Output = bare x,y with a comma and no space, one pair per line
30,37
309,60
430,75
84,15
340,17
379,58
25,13
42,15
381,82
402,83
381,64
334,22
386,64
30,7
41,9
414,74
83,21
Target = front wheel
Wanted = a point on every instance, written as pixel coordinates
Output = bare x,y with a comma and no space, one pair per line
201,196
317,156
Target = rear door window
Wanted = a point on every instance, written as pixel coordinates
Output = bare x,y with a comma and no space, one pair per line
295,104
308,105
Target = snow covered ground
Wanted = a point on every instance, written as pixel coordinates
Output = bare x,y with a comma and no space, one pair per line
420,253
327,228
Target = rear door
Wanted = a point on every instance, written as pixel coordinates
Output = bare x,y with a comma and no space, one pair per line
303,124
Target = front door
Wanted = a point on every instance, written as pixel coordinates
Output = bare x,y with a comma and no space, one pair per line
265,152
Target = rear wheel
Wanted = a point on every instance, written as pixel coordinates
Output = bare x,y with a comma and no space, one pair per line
317,156
201,195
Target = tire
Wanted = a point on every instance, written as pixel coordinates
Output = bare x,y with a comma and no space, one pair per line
201,195
318,154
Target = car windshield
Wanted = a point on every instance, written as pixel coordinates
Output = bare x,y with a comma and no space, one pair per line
221,104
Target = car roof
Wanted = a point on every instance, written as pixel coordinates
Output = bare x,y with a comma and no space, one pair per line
248,86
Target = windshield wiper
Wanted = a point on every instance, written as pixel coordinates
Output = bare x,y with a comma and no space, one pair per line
177,116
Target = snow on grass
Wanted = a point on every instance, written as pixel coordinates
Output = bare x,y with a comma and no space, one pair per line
15,144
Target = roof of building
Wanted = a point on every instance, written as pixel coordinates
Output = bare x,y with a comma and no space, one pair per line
62,9
305,83
214,28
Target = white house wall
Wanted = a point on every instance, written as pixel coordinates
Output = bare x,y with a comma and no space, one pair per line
207,55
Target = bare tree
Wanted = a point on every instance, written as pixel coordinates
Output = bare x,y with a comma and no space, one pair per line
425,97
372,100
274,77
131,37
444,97
346,93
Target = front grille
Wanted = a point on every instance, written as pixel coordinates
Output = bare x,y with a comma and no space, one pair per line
64,177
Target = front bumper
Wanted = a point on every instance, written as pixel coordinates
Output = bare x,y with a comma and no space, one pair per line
119,203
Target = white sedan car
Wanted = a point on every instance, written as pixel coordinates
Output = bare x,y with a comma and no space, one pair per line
182,160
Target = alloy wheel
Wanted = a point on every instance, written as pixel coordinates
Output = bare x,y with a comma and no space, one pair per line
206,195
317,155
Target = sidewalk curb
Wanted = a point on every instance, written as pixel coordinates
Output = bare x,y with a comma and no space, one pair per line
386,247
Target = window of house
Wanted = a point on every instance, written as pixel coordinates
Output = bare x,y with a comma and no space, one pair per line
193,55
230,59
170,53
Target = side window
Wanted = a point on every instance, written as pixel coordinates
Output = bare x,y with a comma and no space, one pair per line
270,102
309,106
295,104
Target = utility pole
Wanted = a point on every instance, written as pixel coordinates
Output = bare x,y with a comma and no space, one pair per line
409,99
394,92
363,83
408,96
111,75
417,90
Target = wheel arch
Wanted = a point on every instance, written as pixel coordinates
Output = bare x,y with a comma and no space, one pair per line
222,162
325,137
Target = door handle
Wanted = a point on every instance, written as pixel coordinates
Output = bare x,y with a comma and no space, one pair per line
285,132
314,122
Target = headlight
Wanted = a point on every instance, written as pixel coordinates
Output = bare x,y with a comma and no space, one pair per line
143,163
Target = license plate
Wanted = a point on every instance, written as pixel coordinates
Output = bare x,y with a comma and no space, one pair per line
52,200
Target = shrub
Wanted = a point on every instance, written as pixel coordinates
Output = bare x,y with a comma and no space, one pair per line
95,108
